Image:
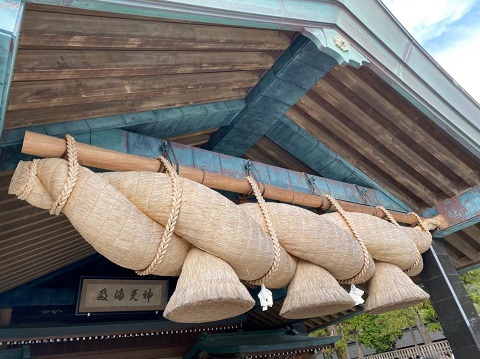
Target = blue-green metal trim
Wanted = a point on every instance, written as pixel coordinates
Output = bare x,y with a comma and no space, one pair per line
141,145
21,334
299,68
366,26
11,14
258,342
461,211
158,123
319,157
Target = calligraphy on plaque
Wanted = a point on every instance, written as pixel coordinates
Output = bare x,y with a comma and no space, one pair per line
121,295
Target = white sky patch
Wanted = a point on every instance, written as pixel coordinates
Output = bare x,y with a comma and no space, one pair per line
458,61
429,20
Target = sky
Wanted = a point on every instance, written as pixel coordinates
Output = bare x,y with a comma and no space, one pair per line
450,32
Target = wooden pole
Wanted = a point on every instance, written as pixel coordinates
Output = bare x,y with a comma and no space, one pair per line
46,146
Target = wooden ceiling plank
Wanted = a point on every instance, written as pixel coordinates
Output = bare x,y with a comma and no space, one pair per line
25,276
337,147
43,234
24,225
459,254
186,136
398,118
44,229
31,65
53,30
455,259
43,252
31,117
50,253
473,232
402,150
28,272
366,149
19,214
196,140
56,237
462,246
254,154
271,153
39,94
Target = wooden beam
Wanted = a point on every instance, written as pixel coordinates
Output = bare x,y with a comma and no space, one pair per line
355,80
267,151
195,138
39,94
32,117
33,65
54,30
462,246
344,103
47,146
365,148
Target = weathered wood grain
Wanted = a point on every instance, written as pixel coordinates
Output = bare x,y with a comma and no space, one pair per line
195,138
33,65
42,116
350,154
268,152
53,30
366,149
412,160
398,118
449,145
37,94
455,241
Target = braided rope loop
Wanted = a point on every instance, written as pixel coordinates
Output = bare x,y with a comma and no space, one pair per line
388,215
366,259
419,221
418,256
31,180
271,230
172,219
72,176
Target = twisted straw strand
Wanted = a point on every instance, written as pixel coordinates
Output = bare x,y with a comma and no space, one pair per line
366,260
271,230
418,256
31,180
172,219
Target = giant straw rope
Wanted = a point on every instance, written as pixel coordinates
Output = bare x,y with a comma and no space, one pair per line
172,235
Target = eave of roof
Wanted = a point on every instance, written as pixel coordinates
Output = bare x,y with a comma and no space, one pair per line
258,342
370,32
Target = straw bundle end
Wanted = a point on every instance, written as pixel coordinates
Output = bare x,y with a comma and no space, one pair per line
391,289
207,290
314,292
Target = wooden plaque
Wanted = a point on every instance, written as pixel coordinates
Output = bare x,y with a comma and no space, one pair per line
121,295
